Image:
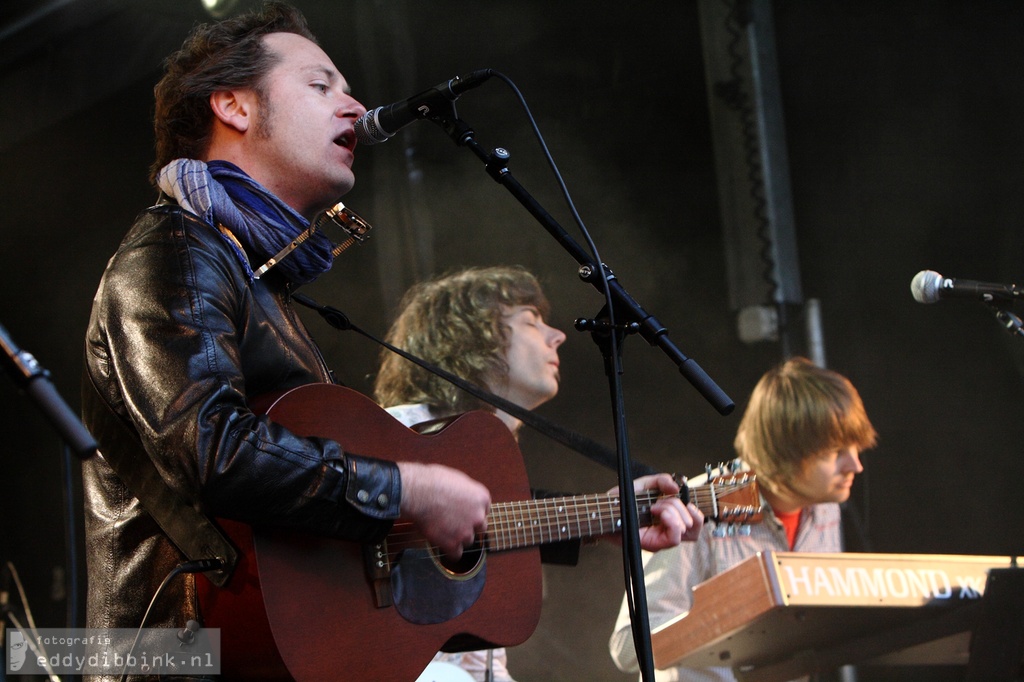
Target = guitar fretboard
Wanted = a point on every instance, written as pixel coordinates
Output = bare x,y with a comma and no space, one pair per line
533,522
512,525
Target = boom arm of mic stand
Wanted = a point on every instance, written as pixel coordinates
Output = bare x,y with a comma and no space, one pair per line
650,328
35,381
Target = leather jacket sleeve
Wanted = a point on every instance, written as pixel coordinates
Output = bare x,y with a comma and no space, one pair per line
180,341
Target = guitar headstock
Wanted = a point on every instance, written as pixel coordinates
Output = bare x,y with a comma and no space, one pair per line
729,498
735,499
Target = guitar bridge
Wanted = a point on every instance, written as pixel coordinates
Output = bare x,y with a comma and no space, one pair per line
378,572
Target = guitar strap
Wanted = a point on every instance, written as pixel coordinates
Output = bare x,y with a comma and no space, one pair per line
191,531
573,440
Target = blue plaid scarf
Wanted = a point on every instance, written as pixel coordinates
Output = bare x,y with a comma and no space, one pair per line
222,194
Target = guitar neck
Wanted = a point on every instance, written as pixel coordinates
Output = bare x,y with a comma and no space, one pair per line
512,525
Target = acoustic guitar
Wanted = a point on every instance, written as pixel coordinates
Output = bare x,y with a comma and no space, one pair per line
311,608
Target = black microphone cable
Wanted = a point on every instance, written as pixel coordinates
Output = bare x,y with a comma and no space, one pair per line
197,566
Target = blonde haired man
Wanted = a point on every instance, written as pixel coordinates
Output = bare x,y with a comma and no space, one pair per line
802,434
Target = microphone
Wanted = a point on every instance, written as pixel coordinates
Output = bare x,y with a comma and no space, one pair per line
929,287
383,122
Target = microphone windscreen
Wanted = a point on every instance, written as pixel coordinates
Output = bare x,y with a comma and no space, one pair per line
925,286
368,130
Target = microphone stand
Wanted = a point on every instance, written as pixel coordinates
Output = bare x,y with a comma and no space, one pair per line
620,306
35,381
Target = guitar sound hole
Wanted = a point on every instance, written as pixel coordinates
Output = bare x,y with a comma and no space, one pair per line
467,563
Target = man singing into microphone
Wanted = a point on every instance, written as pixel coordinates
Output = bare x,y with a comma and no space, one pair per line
254,138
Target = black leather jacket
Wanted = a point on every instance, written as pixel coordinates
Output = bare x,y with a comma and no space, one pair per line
178,342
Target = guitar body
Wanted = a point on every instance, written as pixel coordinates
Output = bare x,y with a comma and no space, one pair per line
302,606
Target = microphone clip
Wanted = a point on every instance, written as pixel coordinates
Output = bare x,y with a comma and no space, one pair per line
1007,320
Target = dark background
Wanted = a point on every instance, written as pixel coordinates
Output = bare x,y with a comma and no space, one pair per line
904,139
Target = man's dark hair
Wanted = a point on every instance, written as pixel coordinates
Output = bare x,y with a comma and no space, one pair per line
218,56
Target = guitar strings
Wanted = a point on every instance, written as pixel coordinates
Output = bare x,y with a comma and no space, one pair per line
527,523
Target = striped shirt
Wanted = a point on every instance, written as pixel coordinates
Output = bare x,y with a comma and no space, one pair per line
671,574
